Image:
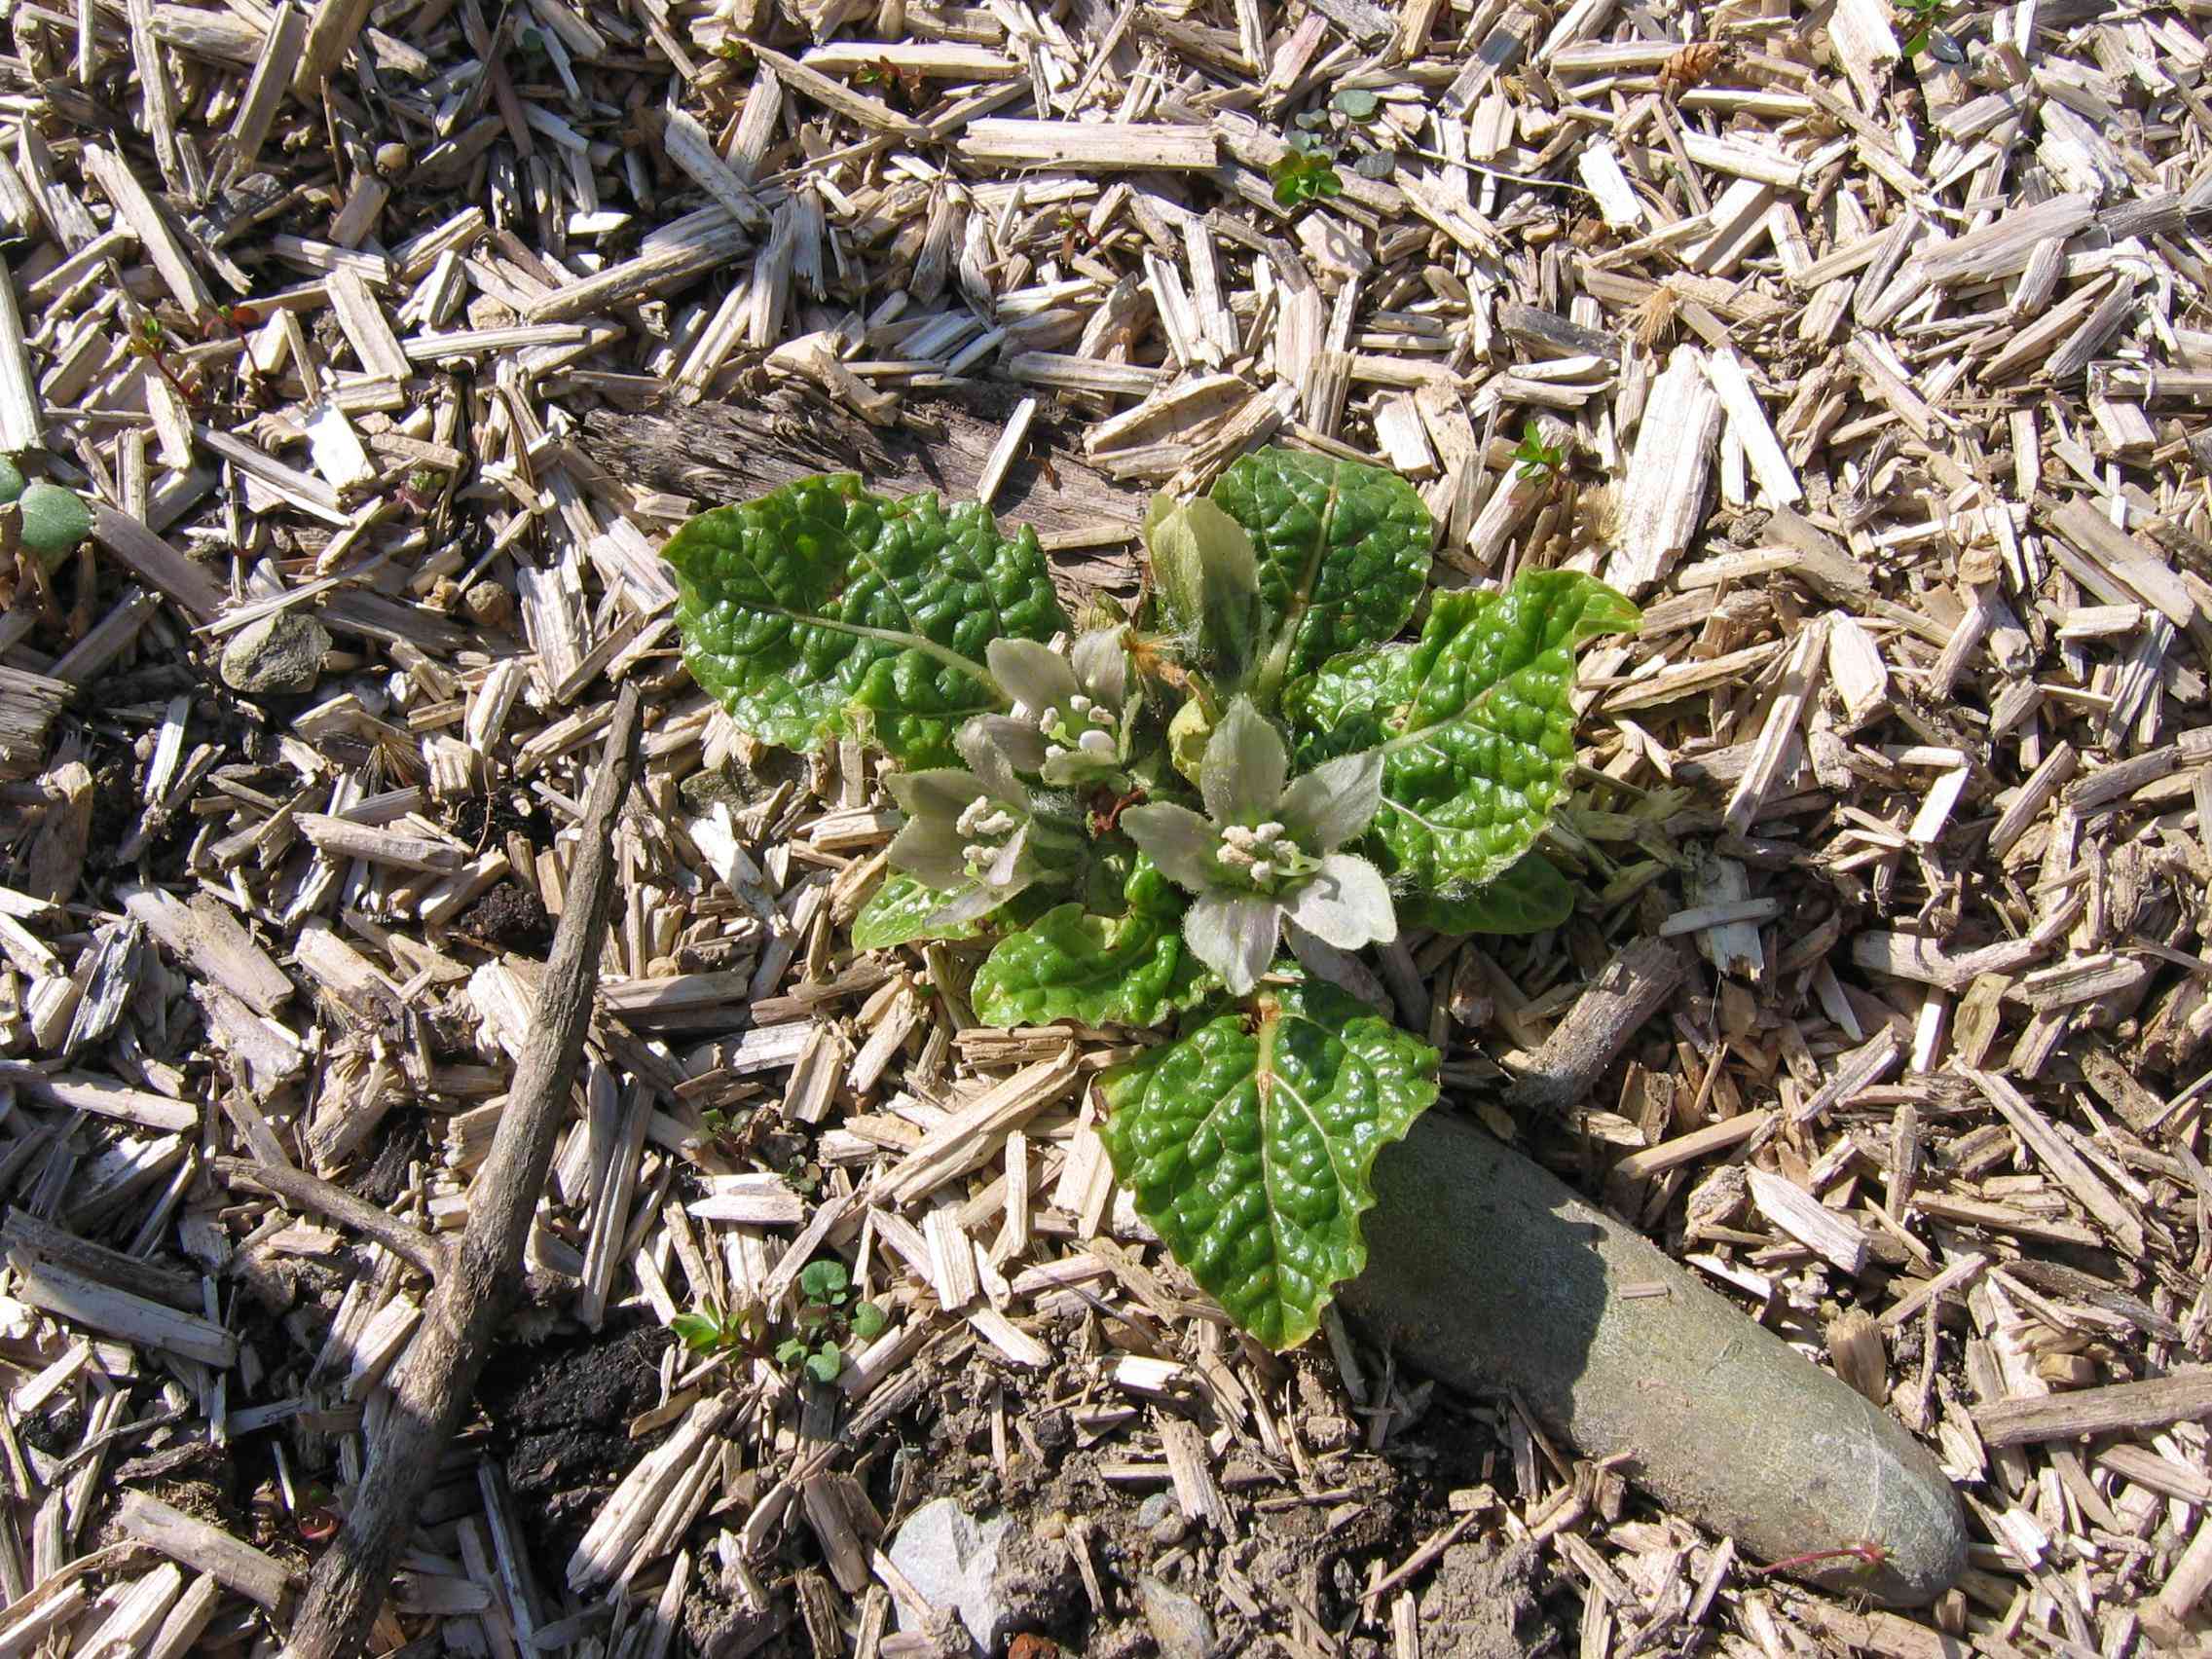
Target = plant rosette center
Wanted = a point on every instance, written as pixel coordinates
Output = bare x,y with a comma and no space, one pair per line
1265,856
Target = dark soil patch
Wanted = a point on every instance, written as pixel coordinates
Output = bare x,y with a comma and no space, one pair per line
1314,1544
560,1414
510,918
477,819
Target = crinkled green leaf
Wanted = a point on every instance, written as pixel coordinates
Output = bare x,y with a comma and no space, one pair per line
900,913
1474,722
1343,555
1247,1145
1528,897
1129,970
821,608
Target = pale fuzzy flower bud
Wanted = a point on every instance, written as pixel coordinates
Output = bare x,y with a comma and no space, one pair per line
1270,831
972,815
998,824
1262,871
1053,751
1079,704
1236,835
1236,857
1096,741
1101,717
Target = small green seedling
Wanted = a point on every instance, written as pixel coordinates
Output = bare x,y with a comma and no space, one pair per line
54,521
419,493
1537,458
1356,103
1924,17
722,1127
826,1309
706,1332
1304,174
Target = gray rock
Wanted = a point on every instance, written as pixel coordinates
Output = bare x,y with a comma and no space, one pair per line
1485,1271
954,1560
1177,1622
282,653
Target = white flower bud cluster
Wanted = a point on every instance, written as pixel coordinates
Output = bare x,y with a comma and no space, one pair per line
989,824
1090,724
1262,851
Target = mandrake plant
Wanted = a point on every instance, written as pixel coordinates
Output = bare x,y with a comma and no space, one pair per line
1179,823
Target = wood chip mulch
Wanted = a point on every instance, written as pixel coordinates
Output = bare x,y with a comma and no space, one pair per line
392,340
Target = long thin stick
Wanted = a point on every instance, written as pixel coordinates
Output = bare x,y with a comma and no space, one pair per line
473,1296
410,1244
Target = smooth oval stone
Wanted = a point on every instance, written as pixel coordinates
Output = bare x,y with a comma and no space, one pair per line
1486,1271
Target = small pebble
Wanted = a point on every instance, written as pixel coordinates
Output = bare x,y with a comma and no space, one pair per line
1178,1623
489,603
1161,1519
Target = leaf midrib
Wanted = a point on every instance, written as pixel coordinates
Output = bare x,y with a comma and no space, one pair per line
857,552
1277,668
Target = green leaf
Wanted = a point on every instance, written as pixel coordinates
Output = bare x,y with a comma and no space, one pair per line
825,1362
11,480
789,1351
868,1321
900,914
1207,577
1343,555
54,521
1474,722
1247,1146
1358,103
1528,897
701,1333
1129,970
820,1281
822,610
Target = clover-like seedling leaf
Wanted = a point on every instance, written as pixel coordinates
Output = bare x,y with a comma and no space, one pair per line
789,1351
1343,555
868,1321
1530,896
825,1362
701,1333
820,1281
56,521
1474,722
1134,969
822,610
11,480
1247,1144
